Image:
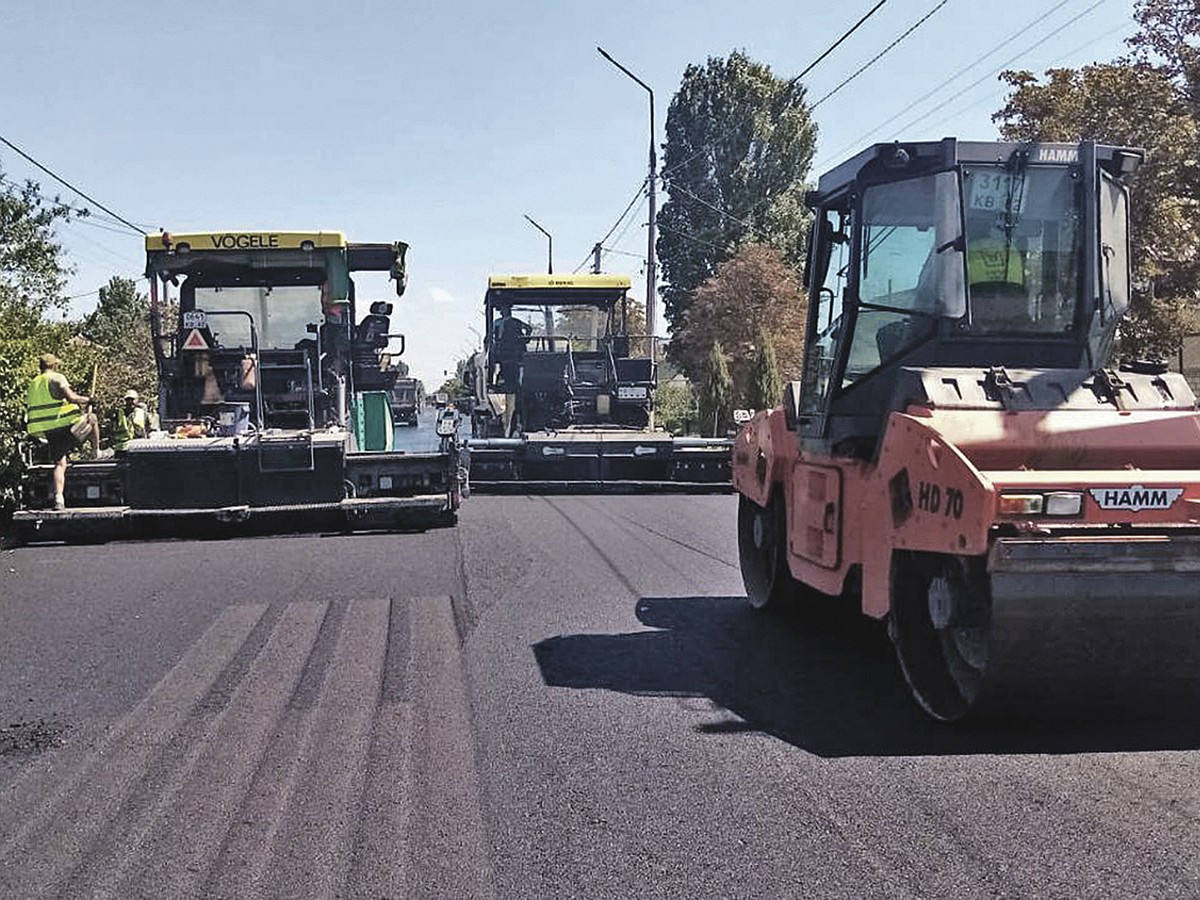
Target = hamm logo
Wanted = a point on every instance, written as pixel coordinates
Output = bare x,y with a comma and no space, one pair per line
1136,497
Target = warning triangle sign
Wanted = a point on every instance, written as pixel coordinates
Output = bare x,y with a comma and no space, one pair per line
195,341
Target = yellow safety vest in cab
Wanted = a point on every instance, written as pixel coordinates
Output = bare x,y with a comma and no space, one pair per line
45,412
995,261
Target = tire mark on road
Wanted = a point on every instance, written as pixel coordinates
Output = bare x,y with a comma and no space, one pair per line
319,777
296,826
45,830
450,846
608,560
613,515
169,831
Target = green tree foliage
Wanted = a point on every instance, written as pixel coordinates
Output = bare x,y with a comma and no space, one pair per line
675,407
755,292
452,388
584,323
740,143
32,276
766,387
1148,98
716,394
117,337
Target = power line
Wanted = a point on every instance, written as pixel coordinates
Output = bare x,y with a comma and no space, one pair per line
880,54
835,44
718,210
620,219
628,223
667,172
694,240
70,186
1031,24
623,252
1004,65
633,200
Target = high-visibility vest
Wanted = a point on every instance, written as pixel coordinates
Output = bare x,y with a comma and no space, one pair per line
124,426
994,260
44,411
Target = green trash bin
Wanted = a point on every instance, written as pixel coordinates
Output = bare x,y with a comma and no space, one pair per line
373,421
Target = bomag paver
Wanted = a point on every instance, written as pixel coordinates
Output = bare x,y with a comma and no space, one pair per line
563,396
959,457
274,402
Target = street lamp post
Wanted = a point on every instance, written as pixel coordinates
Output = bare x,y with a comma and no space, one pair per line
651,279
550,242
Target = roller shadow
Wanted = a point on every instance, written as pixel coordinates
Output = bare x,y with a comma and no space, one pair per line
826,681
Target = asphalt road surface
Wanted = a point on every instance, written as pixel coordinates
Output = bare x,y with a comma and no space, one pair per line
561,697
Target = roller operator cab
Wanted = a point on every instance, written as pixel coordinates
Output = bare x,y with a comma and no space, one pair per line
275,399
958,455
563,395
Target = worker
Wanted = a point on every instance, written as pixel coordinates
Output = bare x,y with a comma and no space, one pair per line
60,416
130,421
508,346
996,275
995,259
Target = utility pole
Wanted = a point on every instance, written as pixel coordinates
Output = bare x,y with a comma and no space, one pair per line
651,237
596,259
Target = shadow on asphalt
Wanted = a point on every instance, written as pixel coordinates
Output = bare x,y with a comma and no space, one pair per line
827,682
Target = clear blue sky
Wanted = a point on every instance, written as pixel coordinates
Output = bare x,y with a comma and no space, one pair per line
442,123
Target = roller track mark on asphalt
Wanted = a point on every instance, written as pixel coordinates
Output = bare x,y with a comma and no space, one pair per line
315,779
45,828
449,842
666,537
297,823
466,616
167,835
608,560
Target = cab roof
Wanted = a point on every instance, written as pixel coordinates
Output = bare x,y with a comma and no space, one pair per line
542,282
244,240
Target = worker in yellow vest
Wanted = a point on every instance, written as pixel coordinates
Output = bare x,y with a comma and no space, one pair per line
129,421
60,415
995,260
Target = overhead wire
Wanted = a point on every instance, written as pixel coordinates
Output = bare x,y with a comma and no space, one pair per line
68,184
1003,65
812,65
997,48
638,194
688,237
666,173
878,56
715,209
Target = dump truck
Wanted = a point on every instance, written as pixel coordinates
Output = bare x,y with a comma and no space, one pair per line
274,402
960,456
563,401
404,401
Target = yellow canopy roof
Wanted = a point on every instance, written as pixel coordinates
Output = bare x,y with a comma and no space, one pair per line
541,282
199,241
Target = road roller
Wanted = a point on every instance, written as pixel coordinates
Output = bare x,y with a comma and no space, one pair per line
962,455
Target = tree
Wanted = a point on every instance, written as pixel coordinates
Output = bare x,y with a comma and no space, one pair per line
716,393
766,388
1148,99
32,276
753,293
740,143
453,388
118,341
675,407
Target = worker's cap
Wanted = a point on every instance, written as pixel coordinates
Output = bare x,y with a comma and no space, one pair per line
48,361
131,395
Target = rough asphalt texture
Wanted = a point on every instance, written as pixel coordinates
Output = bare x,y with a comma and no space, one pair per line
563,697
